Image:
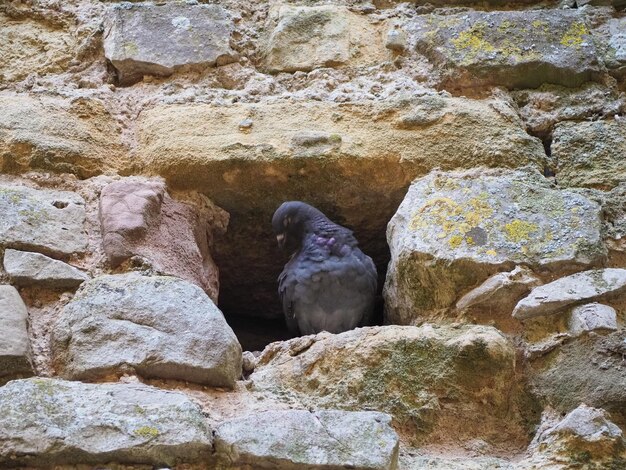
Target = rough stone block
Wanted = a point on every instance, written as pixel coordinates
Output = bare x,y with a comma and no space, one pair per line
592,317
147,39
26,269
156,326
15,352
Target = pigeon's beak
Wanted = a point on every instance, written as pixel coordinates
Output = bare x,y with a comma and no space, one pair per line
280,238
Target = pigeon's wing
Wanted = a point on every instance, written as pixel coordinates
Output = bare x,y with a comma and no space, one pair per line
286,289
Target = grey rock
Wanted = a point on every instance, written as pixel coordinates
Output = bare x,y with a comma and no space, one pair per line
248,362
454,230
592,317
15,352
46,422
515,49
146,39
158,326
26,268
615,55
42,220
309,441
570,290
500,290
590,154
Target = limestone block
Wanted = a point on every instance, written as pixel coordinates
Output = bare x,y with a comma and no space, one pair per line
309,441
139,218
515,49
26,269
408,372
456,229
42,220
592,317
47,422
577,288
156,326
147,39
590,154
15,352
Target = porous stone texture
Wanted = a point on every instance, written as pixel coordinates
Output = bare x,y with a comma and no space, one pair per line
589,154
584,435
515,49
306,38
49,134
454,230
325,154
54,422
26,269
592,317
588,369
309,440
578,288
148,39
156,326
41,220
428,378
28,46
615,55
139,218
500,291
15,352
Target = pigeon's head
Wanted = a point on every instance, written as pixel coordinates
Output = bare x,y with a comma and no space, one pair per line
291,221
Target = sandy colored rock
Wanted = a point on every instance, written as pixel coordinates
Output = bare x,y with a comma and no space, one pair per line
306,38
139,218
45,134
54,422
590,154
26,269
31,47
328,155
592,317
15,352
156,326
48,221
570,290
309,441
146,39
515,49
430,379
456,229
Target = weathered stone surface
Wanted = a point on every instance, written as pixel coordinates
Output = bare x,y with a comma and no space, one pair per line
586,435
158,326
571,290
454,230
516,49
139,218
54,422
15,352
44,134
26,268
42,220
421,376
615,54
305,440
251,173
590,154
146,39
500,291
588,369
592,317
542,108
306,38
28,47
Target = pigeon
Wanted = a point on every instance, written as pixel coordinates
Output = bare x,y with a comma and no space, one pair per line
328,284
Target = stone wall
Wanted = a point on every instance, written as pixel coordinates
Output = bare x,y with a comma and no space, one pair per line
475,148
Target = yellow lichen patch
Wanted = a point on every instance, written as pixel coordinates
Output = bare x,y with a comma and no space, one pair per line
505,26
574,36
519,230
147,432
455,241
491,252
538,24
473,40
